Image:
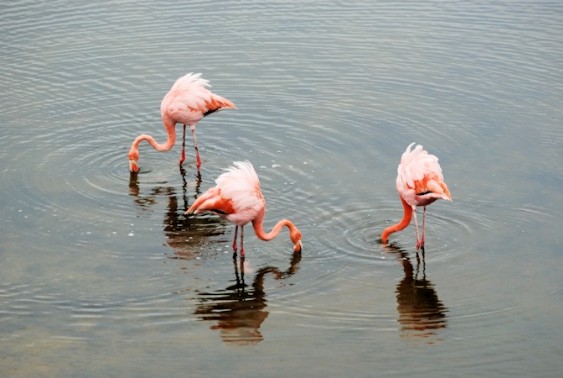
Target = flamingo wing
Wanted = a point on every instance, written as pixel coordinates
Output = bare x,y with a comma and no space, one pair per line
189,100
236,197
212,201
419,177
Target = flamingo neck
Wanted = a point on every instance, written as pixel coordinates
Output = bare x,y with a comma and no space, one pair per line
258,226
169,126
407,216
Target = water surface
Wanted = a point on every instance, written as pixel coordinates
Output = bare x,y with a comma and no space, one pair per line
103,275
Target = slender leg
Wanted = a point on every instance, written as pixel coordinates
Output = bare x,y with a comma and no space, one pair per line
242,242
183,153
242,284
197,158
416,227
423,226
235,243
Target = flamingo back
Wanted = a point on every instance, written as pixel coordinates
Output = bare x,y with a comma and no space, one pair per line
189,100
236,197
421,172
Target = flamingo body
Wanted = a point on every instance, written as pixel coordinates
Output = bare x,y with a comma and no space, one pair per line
419,182
187,102
238,198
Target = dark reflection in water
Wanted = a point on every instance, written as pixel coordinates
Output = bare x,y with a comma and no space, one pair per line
239,310
184,235
421,313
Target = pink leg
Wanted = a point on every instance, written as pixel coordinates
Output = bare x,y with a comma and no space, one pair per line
423,226
235,242
197,158
242,241
416,227
183,153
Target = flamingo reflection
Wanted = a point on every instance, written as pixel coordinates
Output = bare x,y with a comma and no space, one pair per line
239,310
421,313
184,236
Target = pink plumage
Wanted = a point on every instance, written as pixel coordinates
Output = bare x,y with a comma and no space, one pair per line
419,182
187,102
419,177
238,198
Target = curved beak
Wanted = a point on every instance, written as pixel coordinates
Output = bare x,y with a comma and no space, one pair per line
298,246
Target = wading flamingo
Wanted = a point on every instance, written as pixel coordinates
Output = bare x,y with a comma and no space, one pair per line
419,183
187,102
238,198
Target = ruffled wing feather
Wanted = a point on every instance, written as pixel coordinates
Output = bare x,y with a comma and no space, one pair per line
236,197
420,172
189,100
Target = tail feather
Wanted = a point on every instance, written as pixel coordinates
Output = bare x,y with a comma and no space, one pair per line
216,103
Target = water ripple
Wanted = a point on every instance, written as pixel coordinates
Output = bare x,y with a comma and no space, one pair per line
329,95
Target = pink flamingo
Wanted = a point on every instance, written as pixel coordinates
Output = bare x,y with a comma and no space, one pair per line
419,183
187,102
237,197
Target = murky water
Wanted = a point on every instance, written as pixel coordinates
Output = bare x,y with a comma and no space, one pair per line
104,276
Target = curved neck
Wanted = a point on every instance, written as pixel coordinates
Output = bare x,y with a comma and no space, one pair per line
407,216
170,128
258,225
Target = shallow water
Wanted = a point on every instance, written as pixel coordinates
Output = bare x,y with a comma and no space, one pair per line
103,275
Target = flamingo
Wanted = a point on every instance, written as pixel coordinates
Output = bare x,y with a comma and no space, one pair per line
419,183
237,197
187,102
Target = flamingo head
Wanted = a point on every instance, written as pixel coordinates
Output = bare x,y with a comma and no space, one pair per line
133,158
295,236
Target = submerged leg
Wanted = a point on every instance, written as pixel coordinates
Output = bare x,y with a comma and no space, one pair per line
423,226
197,158
242,241
416,227
183,153
235,243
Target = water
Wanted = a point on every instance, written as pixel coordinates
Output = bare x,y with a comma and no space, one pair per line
104,276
